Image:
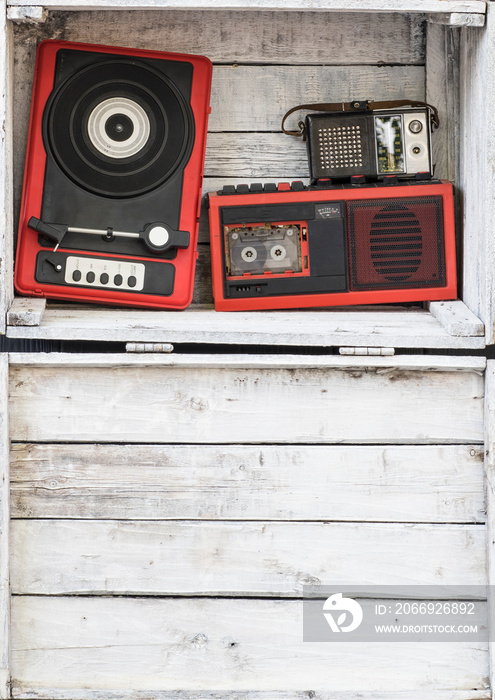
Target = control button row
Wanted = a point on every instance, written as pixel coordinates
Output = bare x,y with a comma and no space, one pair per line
258,187
104,278
104,272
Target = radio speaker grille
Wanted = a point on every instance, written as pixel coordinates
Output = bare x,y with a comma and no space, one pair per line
396,243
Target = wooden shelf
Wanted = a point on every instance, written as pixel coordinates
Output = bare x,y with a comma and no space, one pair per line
421,6
446,325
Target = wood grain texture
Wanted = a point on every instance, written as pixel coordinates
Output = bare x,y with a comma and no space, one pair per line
477,177
257,36
427,6
4,533
490,497
6,169
385,484
174,405
222,645
187,558
24,693
401,327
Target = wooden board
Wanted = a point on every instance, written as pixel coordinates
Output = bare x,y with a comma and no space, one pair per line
255,37
4,533
399,327
203,644
311,483
56,557
429,6
227,405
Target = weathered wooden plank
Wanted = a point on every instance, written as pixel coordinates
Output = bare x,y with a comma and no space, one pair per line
6,180
153,645
259,96
456,318
382,365
176,405
260,36
19,691
393,327
57,557
427,6
477,178
490,497
4,533
385,484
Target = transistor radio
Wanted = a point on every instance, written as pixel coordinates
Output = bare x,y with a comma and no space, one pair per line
372,139
112,184
291,246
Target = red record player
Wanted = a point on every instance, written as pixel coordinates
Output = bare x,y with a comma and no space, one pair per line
113,175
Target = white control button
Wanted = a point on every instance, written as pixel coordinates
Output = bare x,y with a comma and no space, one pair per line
158,236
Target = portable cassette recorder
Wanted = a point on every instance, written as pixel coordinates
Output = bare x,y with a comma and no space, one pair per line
291,246
112,184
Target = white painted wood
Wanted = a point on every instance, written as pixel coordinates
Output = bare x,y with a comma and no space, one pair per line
4,533
490,498
311,483
201,324
6,176
87,694
26,13
226,405
477,177
240,37
71,643
458,19
55,557
426,6
26,312
456,318
392,327
382,365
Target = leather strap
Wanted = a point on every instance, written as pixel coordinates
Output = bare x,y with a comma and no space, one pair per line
357,106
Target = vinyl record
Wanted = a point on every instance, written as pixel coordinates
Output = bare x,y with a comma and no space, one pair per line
118,127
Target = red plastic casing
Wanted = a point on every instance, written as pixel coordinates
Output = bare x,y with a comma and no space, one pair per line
348,298
27,244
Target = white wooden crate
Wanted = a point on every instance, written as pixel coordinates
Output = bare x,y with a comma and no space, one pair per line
166,512
269,56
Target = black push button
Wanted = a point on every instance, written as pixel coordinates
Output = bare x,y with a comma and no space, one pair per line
242,189
117,280
132,281
297,186
90,276
76,275
228,189
271,187
256,187
104,278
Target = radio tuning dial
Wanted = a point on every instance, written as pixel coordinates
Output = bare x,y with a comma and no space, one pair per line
415,126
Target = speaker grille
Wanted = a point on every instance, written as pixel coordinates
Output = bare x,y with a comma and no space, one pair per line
396,243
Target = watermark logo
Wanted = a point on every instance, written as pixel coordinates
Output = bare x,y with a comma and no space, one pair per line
348,608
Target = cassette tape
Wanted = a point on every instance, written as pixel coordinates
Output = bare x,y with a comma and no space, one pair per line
296,246
265,248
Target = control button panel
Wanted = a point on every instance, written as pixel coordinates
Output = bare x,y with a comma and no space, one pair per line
100,272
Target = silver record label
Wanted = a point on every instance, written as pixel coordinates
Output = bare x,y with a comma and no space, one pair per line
258,249
118,127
